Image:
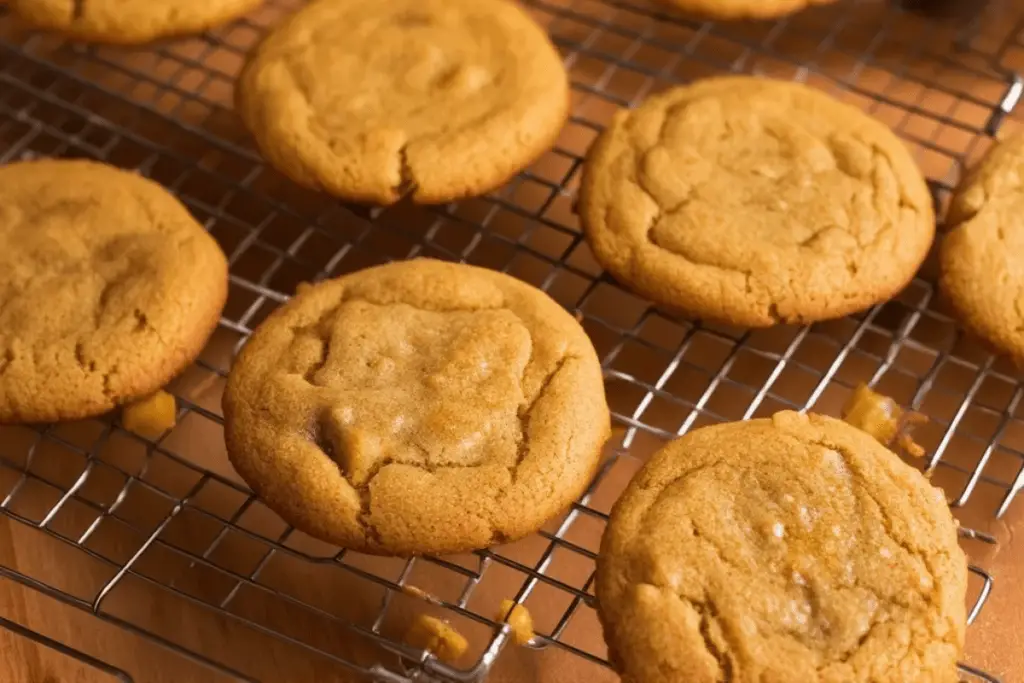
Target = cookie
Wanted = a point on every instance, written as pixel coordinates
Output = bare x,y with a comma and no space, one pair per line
792,548
431,99
753,202
982,256
744,9
417,407
108,289
129,22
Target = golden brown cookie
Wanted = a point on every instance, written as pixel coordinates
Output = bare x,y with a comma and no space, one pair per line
108,289
754,201
417,407
129,21
793,548
982,256
435,99
744,9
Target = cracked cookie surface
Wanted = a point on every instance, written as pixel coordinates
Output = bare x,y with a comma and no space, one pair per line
791,548
432,99
982,256
744,9
754,202
108,289
417,407
129,21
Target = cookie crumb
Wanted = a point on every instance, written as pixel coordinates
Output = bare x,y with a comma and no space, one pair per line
909,446
438,637
884,419
416,592
520,619
150,417
302,287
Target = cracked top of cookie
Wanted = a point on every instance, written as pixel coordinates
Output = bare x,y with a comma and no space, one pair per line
792,548
108,289
754,202
417,407
434,99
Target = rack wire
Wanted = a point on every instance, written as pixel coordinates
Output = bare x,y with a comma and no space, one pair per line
170,517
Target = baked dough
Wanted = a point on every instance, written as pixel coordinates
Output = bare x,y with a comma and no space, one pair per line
417,407
753,202
108,289
744,9
982,256
431,99
794,548
129,21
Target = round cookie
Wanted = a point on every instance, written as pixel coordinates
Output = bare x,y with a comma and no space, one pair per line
129,22
744,9
982,256
417,407
792,548
753,202
108,289
434,99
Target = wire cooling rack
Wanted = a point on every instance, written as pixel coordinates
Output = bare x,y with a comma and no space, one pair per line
168,516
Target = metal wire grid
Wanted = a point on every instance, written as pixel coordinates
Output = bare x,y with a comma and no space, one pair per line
91,662
163,513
